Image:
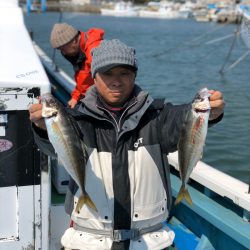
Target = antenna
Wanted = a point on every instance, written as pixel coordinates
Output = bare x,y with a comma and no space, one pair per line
54,51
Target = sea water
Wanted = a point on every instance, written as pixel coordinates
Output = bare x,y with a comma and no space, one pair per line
176,58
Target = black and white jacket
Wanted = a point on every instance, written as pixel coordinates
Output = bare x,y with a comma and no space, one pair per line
127,173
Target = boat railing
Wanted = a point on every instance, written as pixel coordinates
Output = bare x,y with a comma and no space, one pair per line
218,182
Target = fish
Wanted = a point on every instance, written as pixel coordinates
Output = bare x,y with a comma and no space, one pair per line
69,147
192,140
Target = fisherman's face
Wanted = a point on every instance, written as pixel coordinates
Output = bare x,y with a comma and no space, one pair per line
71,48
116,85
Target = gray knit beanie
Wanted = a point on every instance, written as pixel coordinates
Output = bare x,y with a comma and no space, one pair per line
112,53
61,34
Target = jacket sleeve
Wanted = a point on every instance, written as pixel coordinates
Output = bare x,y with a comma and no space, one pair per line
171,121
83,82
42,141
83,77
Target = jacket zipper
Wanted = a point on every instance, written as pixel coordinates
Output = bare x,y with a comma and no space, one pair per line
130,106
118,125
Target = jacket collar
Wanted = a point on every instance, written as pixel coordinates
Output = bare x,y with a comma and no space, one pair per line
91,99
134,111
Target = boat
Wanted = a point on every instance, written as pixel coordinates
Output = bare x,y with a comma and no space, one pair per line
24,175
201,15
120,9
219,208
228,14
162,10
32,212
185,11
166,10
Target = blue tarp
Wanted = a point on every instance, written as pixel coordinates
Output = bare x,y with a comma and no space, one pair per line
187,240
211,6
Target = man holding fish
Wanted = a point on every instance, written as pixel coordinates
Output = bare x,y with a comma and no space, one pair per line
123,136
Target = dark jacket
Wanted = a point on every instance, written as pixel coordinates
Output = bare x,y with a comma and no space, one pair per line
127,174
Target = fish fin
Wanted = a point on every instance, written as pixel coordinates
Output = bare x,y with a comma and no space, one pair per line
80,203
198,124
84,150
183,194
85,199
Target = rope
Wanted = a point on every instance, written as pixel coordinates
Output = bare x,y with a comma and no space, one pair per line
190,42
236,34
219,39
237,61
221,71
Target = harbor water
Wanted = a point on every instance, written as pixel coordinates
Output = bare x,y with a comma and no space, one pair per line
176,58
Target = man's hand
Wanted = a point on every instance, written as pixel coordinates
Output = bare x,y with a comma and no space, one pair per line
72,103
35,111
217,104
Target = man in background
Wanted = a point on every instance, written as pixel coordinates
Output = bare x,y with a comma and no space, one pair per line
76,46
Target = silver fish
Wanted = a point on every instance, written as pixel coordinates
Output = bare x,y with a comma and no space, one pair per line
192,140
67,144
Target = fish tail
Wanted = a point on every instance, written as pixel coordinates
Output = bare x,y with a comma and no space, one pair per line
183,194
85,199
